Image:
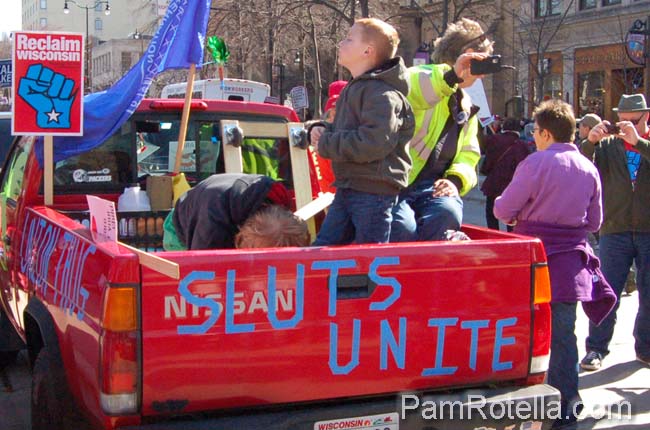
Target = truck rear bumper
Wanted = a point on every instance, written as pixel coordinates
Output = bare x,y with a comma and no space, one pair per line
526,408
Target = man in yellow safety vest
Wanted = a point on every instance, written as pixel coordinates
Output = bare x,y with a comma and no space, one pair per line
444,148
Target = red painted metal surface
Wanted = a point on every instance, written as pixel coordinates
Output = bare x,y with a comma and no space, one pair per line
461,282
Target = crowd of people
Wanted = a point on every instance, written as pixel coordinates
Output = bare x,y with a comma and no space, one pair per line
404,144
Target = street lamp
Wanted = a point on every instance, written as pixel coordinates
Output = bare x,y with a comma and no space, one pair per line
279,68
138,36
87,7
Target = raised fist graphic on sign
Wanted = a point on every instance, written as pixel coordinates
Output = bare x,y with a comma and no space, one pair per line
50,94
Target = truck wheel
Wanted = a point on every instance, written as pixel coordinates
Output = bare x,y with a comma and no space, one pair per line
47,394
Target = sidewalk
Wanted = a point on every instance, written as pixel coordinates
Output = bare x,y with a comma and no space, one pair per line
622,378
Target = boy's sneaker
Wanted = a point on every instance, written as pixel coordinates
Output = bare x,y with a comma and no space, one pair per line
592,361
644,360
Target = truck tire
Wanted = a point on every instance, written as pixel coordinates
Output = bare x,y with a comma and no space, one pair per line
47,394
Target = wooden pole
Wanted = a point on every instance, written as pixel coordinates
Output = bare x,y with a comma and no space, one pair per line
185,117
159,264
48,166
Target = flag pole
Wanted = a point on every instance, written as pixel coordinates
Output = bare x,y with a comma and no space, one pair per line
48,162
185,117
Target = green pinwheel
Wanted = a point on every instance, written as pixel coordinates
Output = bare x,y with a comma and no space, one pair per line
220,53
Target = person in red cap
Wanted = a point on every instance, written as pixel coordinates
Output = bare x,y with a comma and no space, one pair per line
326,177
333,94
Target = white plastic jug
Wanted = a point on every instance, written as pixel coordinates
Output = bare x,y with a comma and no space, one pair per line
133,199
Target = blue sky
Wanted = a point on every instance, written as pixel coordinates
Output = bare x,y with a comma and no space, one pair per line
10,16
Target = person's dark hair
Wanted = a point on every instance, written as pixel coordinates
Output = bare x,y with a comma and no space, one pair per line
557,118
460,36
272,226
511,124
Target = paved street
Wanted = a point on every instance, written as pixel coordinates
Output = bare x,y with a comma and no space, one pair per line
622,378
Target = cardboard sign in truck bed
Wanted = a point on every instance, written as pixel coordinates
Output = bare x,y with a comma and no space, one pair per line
358,336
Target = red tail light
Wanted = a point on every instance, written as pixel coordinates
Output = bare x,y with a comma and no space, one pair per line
177,104
119,363
119,349
541,330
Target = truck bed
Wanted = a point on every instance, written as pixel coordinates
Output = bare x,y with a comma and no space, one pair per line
360,320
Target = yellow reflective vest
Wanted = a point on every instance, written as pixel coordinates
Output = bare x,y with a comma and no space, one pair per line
261,156
429,96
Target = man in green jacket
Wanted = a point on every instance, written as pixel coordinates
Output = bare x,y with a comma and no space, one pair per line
622,156
444,148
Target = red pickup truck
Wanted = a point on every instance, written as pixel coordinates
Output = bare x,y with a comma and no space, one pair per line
408,335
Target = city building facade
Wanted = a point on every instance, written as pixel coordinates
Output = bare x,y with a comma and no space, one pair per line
589,56
125,23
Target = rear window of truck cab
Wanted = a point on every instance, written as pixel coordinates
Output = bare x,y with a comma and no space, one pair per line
147,145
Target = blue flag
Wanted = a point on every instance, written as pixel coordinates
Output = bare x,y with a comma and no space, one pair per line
178,43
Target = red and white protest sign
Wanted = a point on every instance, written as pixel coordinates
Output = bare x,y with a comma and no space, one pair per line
48,83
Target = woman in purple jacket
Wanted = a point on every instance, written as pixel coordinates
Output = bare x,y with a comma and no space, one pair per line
555,195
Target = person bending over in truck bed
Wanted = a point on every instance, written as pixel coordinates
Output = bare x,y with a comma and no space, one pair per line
225,210
539,203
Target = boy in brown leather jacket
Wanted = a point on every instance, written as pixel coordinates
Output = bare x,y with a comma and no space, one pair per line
368,141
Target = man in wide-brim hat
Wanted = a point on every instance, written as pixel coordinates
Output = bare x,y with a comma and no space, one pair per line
623,159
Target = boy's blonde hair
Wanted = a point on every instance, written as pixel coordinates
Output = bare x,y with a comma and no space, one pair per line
270,227
556,117
382,36
460,36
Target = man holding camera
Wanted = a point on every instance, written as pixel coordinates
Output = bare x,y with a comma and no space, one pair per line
444,148
621,152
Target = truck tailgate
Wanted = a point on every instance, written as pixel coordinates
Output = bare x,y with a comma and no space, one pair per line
347,321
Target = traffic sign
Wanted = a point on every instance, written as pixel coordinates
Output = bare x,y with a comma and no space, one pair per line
299,98
635,47
5,73
48,83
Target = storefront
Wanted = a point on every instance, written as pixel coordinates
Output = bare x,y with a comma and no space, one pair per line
602,74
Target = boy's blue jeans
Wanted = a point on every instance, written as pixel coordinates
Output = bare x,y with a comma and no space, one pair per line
418,216
358,217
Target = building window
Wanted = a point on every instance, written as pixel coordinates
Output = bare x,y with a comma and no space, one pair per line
126,62
611,2
552,87
587,4
98,7
43,4
547,7
98,24
591,93
43,22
